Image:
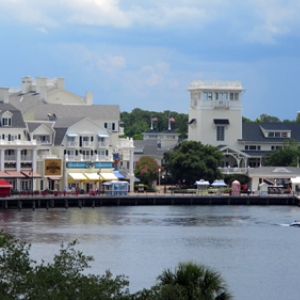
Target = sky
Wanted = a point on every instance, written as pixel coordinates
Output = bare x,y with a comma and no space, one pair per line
144,54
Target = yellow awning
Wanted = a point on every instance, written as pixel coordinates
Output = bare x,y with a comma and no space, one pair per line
77,176
92,176
108,176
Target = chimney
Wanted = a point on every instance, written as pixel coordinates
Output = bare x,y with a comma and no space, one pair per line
60,83
41,87
4,95
88,99
26,84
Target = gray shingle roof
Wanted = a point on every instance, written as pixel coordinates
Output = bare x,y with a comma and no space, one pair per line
17,118
252,131
24,102
94,112
59,135
34,125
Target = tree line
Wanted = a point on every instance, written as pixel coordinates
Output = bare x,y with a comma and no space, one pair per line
65,278
138,121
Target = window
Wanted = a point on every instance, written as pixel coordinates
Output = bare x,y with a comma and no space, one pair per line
278,134
252,147
234,96
220,133
275,147
42,185
207,96
6,121
110,126
221,96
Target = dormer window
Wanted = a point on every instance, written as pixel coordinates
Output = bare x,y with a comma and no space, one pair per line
6,122
278,134
6,119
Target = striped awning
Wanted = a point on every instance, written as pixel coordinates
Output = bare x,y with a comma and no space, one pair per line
108,176
77,176
31,174
92,176
14,174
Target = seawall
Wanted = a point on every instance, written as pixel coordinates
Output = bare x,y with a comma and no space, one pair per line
81,201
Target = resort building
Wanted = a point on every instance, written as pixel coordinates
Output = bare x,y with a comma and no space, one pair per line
215,118
52,138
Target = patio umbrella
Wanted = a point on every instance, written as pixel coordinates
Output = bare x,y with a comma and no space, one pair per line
218,183
202,182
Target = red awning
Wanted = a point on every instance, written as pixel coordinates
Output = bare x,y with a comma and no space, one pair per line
4,183
14,174
29,174
3,174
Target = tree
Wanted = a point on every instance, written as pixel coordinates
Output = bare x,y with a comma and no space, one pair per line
191,161
23,278
147,170
63,278
268,118
191,281
285,156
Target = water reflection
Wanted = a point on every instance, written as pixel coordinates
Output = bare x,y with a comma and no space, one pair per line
242,242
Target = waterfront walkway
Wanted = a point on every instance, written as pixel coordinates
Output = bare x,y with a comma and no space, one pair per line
150,199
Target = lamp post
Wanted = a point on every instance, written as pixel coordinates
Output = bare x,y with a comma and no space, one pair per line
31,182
159,170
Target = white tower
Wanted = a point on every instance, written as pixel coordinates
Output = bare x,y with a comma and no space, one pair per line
215,113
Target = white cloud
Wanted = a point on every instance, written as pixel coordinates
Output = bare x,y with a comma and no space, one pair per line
259,21
41,29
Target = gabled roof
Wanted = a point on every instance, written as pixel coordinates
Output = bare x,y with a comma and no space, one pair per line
32,126
148,148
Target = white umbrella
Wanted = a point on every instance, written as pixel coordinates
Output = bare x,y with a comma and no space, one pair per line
218,183
202,182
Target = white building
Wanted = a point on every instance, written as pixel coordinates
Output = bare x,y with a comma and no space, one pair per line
215,118
70,142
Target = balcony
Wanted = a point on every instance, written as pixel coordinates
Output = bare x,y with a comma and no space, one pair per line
229,170
221,104
72,144
82,157
103,144
26,157
10,157
87,144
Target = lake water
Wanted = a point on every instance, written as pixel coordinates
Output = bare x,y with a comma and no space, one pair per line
252,246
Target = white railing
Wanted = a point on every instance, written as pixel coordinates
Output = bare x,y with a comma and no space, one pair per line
103,144
72,144
47,156
18,142
221,103
87,144
10,157
125,143
26,157
226,170
82,157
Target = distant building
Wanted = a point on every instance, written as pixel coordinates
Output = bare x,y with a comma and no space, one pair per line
215,118
53,138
